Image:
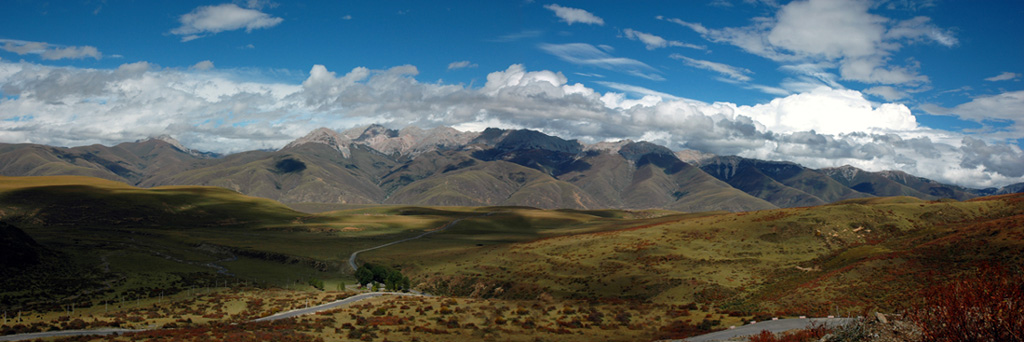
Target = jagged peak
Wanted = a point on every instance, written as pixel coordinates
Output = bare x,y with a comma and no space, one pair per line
697,157
169,140
609,146
326,136
847,172
377,131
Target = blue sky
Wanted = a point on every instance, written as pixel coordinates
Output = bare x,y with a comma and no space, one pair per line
930,87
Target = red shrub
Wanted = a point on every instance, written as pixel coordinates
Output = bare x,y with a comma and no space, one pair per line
812,333
989,307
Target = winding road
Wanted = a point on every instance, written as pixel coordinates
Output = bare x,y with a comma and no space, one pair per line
352,258
66,333
281,315
773,326
328,306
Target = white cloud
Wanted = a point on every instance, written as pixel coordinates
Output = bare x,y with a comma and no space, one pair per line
830,111
827,28
921,28
1005,76
637,90
696,27
214,110
461,65
886,92
769,89
1005,106
586,54
838,32
574,15
653,42
812,74
735,73
202,66
225,17
49,51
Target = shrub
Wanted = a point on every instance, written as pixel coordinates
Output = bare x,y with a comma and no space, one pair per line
988,307
812,333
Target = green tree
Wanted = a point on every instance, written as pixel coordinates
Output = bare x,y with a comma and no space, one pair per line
405,284
316,283
364,275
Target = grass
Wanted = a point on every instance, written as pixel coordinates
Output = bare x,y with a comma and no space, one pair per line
193,236
855,255
848,257
217,313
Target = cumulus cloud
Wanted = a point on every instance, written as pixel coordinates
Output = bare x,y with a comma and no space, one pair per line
1005,76
574,15
586,54
49,51
653,42
844,33
206,20
831,111
214,110
461,65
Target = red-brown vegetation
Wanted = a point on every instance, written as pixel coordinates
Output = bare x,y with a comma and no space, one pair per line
986,307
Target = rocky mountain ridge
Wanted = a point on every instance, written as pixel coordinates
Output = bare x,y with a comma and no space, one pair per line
443,166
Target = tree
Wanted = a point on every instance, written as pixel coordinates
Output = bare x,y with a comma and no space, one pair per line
405,284
392,279
364,275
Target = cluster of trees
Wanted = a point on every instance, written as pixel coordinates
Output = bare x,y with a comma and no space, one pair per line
392,279
316,283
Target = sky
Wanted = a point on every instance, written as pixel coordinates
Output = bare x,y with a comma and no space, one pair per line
930,87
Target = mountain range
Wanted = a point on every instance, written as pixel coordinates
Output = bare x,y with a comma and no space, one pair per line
445,167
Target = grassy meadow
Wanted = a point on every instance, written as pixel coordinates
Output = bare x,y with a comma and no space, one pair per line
195,259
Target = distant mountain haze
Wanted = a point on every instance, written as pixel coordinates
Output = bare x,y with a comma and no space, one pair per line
445,167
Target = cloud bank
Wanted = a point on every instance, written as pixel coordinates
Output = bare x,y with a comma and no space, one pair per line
212,109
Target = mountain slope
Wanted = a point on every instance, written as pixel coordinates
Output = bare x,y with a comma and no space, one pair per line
303,173
132,163
784,184
872,183
493,183
744,175
663,181
375,164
